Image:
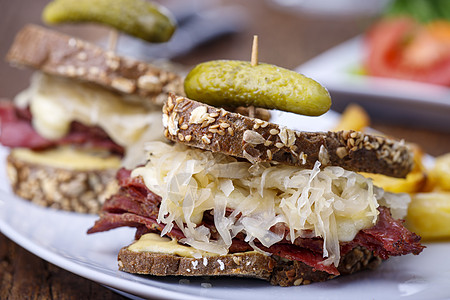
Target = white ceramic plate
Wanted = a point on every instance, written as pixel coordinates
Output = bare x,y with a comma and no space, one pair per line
60,238
400,100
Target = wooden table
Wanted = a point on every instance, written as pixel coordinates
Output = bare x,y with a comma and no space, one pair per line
286,39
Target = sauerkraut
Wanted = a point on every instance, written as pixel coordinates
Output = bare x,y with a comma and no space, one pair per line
330,203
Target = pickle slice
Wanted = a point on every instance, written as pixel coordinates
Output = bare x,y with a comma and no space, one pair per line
238,83
139,18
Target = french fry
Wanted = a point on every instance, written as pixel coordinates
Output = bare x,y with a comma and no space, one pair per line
414,182
440,173
354,117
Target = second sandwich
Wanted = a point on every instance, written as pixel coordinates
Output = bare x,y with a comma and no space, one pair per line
86,113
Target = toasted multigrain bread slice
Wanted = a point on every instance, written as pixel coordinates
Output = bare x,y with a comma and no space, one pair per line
82,191
58,54
247,264
215,129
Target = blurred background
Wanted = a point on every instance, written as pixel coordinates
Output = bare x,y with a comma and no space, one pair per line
322,39
290,33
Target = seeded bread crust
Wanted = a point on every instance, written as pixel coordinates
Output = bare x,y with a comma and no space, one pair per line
200,125
255,265
71,190
248,264
59,54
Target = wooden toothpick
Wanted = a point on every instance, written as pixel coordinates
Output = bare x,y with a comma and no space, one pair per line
254,59
112,40
254,63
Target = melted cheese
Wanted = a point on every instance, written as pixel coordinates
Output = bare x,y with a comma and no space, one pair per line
152,242
56,102
69,158
330,203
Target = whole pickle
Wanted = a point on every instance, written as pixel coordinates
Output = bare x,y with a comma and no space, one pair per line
238,83
139,18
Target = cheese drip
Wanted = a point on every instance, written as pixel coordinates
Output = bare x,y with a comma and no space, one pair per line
69,158
56,102
152,242
331,203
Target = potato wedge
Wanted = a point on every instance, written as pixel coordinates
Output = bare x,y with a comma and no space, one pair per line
414,182
441,172
429,215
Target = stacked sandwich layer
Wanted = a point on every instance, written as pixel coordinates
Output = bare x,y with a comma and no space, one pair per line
295,205
86,113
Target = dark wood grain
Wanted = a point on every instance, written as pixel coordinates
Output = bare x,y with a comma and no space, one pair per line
286,39
26,276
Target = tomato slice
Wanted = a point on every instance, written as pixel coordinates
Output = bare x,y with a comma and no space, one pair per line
402,48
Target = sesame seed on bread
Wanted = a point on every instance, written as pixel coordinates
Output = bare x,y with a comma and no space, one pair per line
58,54
215,129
